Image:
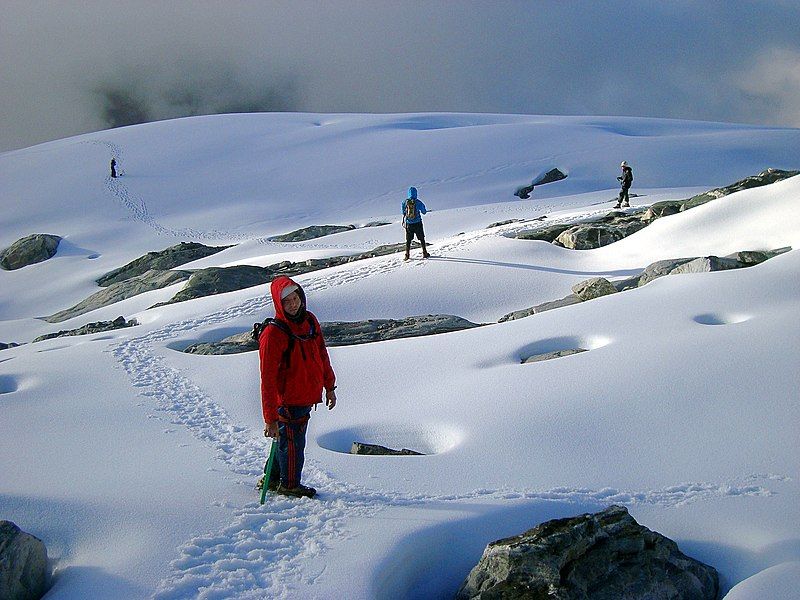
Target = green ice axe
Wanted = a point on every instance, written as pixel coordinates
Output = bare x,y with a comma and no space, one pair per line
268,469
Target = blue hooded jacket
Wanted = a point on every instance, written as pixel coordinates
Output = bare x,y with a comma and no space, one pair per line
421,210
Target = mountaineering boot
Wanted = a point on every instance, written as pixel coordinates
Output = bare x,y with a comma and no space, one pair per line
425,251
616,206
406,257
271,486
300,491
626,205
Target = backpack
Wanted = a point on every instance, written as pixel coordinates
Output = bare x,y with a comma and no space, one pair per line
258,329
411,209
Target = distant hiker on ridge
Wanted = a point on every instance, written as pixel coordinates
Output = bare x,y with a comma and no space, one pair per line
114,168
295,369
625,180
413,209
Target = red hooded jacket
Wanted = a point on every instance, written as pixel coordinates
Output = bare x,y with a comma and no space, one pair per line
309,368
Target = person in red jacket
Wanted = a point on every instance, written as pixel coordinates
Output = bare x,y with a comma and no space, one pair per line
295,368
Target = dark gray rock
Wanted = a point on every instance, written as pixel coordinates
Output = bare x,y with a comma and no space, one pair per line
506,222
755,257
552,355
6,346
766,177
602,556
671,207
551,176
172,257
544,234
348,333
96,327
310,233
676,266
662,209
219,280
28,251
122,290
235,344
539,308
376,450
587,237
23,564
593,288
340,333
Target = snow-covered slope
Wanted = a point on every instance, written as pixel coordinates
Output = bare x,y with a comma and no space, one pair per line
135,462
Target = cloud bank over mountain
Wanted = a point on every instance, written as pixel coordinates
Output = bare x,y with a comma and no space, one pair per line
72,68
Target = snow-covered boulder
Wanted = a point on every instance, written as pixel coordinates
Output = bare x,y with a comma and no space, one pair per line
23,564
602,556
29,250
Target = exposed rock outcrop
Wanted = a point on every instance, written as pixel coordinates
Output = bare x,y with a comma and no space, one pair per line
699,264
172,257
617,225
593,288
545,234
551,176
7,345
29,250
96,327
552,355
602,556
598,286
310,233
346,333
342,333
219,280
122,290
602,232
23,564
318,231
376,450
539,308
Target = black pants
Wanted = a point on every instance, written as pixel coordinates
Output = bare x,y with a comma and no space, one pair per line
413,229
623,195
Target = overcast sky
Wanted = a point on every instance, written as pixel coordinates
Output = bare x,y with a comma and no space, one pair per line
70,67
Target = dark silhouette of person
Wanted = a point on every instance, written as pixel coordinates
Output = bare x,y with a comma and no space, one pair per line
114,168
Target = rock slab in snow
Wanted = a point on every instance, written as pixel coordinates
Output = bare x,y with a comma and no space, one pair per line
96,327
29,250
601,556
377,450
164,260
23,564
121,290
593,288
346,333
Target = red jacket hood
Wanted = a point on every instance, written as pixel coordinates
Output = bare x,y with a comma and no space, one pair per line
277,286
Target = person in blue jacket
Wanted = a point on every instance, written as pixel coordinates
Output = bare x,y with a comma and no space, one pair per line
413,209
